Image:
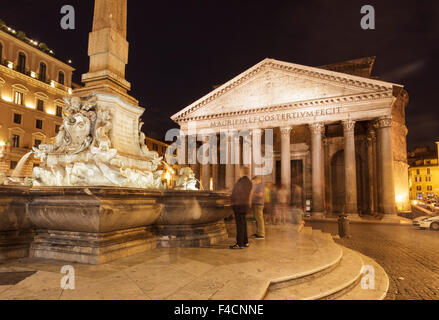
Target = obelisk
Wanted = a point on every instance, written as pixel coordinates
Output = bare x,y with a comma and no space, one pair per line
108,51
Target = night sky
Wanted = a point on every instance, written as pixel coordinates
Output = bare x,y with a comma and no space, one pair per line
180,49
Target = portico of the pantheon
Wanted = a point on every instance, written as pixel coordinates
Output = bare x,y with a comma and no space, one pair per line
339,134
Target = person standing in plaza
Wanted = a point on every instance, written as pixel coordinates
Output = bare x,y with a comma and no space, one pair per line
258,207
282,205
241,196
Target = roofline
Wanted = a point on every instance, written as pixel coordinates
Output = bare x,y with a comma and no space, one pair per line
315,70
37,50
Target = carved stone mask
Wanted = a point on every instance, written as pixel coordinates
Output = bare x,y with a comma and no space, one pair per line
78,131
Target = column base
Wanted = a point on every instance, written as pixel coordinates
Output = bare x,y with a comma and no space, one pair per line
317,214
391,218
91,248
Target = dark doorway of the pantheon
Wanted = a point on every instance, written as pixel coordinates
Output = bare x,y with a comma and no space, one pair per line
337,185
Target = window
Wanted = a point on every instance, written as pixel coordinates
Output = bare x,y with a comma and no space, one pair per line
43,72
58,111
37,142
17,118
61,77
419,195
39,124
19,98
417,171
1,53
429,188
155,147
40,105
419,188
35,165
15,141
12,165
21,65
419,179
428,170
57,126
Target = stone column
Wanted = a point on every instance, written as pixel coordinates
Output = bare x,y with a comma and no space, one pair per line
215,167
229,163
195,166
205,167
285,157
350,167
247,152
371,169
375,174
385,158
257,155
236,145
317,168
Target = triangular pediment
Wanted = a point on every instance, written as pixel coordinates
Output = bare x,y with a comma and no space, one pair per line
273,82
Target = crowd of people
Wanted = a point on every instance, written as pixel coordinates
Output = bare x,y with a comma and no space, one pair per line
268,203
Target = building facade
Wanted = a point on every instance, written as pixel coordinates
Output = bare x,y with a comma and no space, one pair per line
32,86
424,173
338,134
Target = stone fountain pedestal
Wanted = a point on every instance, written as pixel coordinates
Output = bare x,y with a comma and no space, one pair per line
92,225
192,219
15,226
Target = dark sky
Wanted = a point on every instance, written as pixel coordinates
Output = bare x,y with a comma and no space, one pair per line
180,49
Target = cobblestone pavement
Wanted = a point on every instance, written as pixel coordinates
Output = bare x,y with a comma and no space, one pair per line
409,255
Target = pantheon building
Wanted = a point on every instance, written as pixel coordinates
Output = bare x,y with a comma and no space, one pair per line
339,133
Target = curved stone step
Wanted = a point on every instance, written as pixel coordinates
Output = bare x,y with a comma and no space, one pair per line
335,279
381,285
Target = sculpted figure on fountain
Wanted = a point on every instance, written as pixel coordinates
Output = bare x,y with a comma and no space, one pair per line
82,153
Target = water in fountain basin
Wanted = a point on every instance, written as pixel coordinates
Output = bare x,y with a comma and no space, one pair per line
20,164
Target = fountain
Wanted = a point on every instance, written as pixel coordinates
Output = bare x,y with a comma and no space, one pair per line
98,194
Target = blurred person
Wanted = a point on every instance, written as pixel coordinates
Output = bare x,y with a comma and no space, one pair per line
282,206
258,207
241,201
268,205
297,209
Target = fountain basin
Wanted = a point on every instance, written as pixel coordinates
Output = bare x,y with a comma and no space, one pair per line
92,224
15,226
192,218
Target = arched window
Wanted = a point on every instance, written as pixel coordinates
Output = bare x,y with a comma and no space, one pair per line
61,77
21,65
43,72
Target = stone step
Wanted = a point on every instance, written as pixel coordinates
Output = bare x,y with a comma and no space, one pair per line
320,285
377,292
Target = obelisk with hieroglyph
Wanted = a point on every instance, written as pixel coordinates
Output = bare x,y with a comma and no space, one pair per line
108,52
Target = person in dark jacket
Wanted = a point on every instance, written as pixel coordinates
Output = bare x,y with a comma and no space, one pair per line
241,196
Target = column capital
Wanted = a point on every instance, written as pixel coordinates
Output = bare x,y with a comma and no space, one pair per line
317,128
285,131
384,122
348,125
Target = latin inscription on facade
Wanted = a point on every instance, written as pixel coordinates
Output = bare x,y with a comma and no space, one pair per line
277,117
